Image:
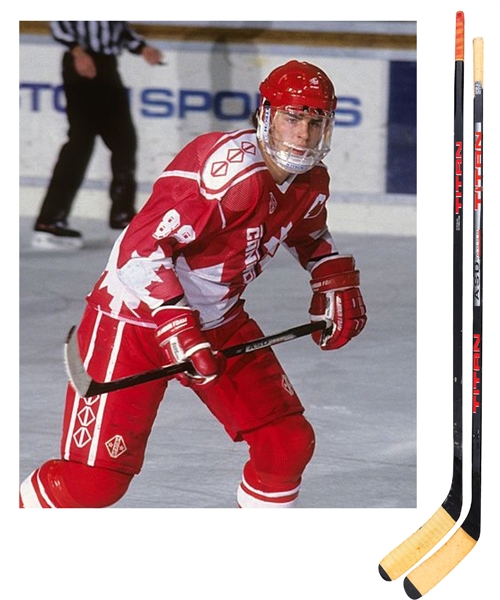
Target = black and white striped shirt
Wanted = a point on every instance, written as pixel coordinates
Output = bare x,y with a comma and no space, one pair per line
102,37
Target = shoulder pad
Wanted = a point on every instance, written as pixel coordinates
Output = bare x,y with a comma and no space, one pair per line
234,157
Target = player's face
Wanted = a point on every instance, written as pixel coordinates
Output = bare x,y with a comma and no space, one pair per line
297,129
294,138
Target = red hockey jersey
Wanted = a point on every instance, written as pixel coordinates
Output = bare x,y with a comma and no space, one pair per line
213,221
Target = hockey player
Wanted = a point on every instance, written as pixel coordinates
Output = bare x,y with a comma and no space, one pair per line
172,290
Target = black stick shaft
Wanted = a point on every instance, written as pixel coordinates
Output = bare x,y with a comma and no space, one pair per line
472,524
453,502
87,387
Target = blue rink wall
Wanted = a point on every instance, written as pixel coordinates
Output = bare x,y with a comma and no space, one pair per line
402,129
207,85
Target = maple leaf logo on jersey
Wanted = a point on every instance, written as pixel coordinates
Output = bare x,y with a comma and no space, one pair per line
274,242
135,277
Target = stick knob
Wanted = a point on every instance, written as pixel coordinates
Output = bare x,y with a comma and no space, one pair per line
459,36
478,49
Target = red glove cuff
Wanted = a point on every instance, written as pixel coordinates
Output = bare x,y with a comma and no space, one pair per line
170,321
181,338
334,273
337,300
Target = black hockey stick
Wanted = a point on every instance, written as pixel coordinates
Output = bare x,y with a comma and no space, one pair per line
86,386
417,545
426,575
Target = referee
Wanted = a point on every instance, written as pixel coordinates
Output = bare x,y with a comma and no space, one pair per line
97,104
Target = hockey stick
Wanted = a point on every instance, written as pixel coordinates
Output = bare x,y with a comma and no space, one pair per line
86,386
417,545
426,575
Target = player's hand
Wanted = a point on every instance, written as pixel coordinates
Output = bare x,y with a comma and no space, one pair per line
337,300
179,335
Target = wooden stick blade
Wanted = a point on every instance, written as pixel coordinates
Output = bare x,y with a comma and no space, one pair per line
416,546
429,573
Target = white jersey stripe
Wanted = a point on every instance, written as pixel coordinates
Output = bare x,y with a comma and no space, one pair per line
182,174
104,397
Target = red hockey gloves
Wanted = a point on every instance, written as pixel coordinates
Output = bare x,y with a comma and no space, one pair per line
181,338
336,300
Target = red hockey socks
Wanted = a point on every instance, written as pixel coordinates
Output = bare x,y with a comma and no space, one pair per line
279,453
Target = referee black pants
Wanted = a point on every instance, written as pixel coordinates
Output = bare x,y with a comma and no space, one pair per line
94,107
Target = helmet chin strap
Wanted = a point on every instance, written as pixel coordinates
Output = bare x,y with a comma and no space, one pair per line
292,163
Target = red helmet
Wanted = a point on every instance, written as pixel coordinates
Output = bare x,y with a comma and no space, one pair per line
298,90
299,84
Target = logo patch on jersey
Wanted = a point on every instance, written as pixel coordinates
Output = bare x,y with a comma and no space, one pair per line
273,203
116,446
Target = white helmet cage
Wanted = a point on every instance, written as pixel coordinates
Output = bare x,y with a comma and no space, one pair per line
289,157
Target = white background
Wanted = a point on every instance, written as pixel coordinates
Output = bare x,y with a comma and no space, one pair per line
308,553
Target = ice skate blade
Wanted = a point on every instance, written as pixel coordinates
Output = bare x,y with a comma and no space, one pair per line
50,242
